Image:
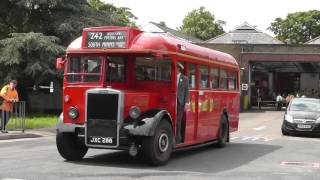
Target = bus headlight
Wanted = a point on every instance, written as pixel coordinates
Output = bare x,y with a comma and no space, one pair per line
73,112
134,112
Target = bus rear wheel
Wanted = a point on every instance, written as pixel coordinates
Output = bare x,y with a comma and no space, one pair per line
223,135
158,148
69,147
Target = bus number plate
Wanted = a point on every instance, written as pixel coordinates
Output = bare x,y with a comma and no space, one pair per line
100,140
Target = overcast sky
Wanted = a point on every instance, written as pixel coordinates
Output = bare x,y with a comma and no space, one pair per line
258,13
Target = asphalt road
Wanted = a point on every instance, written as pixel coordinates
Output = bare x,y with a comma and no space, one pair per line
257,151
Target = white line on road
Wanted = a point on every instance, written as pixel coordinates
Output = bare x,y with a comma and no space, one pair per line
259,128
252,138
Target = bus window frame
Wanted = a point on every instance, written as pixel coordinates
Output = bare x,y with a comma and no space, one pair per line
196,74
220,78
208,77
124,56
234,78
156,58
67,65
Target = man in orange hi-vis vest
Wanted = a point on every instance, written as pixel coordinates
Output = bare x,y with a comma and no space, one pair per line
10,96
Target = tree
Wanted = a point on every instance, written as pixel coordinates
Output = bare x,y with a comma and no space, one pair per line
201,23
298,27
30,58
121,16
29,55
62,18
34,32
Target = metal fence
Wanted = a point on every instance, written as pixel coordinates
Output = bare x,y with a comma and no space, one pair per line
16,117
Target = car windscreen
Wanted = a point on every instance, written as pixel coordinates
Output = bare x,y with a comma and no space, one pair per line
305,105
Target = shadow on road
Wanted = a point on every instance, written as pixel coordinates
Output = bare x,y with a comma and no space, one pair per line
206,160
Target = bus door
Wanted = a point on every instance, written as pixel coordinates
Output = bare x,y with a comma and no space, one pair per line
190,117
206,121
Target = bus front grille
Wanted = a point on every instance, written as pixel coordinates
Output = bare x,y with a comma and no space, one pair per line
102,119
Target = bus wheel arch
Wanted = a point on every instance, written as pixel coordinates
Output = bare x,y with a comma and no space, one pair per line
150,124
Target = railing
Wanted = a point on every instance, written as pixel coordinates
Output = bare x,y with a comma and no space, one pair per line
16,117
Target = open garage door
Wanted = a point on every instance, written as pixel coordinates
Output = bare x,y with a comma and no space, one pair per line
269,78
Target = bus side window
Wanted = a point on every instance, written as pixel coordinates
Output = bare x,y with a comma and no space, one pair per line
214,78
231,81
204,76
192,68
115,71
223,79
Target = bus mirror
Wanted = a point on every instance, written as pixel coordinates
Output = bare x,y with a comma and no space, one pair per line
59,63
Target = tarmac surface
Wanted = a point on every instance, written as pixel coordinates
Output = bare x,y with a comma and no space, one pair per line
34,133
257,151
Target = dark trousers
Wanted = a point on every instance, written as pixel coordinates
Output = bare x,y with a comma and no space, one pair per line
4,119
180,110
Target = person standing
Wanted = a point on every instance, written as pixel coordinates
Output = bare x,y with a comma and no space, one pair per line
182,99
10,96
279,101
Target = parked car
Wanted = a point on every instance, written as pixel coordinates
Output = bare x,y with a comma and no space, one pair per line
302,117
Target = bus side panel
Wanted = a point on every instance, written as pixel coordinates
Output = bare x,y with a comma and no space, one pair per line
191,119
208,116
233,108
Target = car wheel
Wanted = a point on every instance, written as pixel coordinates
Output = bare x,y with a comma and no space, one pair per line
158,148
69,148
284,131
223,134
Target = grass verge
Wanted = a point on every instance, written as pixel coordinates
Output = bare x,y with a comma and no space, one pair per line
33,122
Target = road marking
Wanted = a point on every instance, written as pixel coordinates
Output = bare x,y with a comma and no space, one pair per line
259,128
251,138
304,164
12,179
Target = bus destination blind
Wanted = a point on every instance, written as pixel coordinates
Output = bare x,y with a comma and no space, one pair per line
106,39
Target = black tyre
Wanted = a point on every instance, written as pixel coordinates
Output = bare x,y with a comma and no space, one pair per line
284,131
69,147
158,148
223,134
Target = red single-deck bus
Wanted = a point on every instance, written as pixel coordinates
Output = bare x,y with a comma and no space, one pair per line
119,92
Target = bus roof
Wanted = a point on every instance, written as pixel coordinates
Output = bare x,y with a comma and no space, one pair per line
137,41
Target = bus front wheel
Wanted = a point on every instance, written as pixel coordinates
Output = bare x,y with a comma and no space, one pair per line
158,148
223,133
69,147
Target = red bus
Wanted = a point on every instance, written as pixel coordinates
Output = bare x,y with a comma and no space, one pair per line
120,92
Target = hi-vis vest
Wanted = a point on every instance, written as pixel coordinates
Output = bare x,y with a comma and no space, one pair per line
8,94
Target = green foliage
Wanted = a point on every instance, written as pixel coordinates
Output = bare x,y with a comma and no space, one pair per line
29,57
201,23
298,27
119,16
62,18
34,122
